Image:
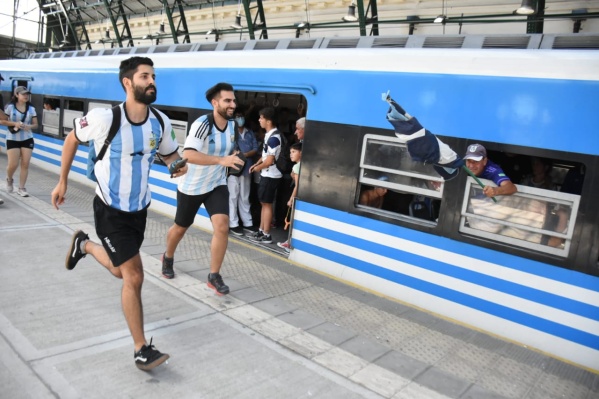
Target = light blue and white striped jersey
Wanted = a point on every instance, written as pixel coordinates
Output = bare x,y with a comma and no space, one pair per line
123,174
201,179
15,115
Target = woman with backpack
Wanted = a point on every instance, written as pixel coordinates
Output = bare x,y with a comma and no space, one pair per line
22,120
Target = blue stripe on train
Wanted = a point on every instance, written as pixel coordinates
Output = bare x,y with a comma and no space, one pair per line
510,288
460,248
516,316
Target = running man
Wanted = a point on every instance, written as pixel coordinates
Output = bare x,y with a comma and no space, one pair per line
208,148
122,192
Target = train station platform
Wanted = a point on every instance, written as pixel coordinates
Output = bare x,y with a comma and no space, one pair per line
284,331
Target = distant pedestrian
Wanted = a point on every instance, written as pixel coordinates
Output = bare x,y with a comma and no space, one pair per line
22,120
122,193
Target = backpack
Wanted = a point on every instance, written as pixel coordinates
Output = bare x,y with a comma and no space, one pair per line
114,128
233,172
283,162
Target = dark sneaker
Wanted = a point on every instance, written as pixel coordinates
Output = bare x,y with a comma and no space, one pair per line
238,231
250,229
167,266
263,238
215,281
256,235
149,357
75,253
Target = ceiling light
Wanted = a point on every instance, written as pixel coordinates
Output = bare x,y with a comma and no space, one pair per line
237,24
526,8
441,19
351,14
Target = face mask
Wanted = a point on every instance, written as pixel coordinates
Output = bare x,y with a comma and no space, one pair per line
240,120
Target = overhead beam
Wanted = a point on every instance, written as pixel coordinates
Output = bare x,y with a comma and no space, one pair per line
182,22
258,21
126,33
68,25
364,19
535,21
83,34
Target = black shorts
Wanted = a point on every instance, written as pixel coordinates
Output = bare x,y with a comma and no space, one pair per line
10,144
267,189
121,233
215,201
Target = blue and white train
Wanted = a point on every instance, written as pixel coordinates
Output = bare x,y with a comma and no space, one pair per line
525,268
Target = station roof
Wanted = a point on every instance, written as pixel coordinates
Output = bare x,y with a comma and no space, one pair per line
95,10
74,24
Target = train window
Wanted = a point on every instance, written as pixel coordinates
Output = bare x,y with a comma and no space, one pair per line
72,109
51,116
179,122
22,81
93,105
413,189
74,105
533,218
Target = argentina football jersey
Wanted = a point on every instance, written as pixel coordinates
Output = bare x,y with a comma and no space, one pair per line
15,115
123,174
201,179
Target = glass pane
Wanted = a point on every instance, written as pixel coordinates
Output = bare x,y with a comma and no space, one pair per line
520,217
390,155
403,180
50,121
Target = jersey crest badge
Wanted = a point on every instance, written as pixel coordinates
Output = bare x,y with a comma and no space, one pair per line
83,122
153,138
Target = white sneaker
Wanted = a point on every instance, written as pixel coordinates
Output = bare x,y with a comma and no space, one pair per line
23,192
9,186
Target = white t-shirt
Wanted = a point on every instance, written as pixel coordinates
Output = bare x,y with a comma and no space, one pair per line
272,146
123,173
201,179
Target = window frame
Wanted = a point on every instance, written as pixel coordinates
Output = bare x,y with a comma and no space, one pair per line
524,192
390,185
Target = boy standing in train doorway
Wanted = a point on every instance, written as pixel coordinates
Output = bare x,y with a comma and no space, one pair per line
122,191
270,176
210,136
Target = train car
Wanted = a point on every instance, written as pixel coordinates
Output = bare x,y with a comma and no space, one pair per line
525,268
